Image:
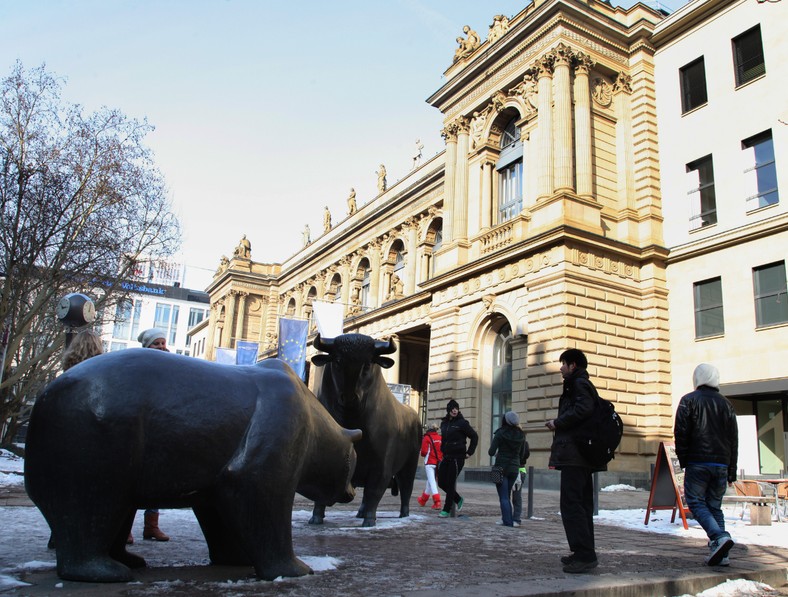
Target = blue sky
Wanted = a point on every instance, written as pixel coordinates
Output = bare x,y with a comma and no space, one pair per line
265,111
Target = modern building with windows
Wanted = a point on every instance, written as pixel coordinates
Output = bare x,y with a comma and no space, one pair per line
722,115
156,298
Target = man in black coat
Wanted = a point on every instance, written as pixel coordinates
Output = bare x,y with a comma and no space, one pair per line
707,445
455,431
576,405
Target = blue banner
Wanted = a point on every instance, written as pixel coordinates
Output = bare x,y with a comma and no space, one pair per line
292,344
245,352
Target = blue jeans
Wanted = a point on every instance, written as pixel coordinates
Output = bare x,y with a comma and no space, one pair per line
704,486
504,495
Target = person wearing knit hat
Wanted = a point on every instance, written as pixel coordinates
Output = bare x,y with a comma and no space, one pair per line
707,446
508,447
153,338
455,432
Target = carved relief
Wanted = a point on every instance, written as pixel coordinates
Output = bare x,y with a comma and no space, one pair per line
478,121
605,263
602,92
499,27
488,300
498,100
527,89
623,83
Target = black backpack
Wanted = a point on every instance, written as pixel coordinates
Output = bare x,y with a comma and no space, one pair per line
601,433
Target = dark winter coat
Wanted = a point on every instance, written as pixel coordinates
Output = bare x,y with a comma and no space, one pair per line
577,404
706,430
455,432
508,447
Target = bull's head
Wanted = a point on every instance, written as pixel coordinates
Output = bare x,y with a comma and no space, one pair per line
353,348
353,372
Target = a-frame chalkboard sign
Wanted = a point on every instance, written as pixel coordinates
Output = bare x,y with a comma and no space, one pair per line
667,485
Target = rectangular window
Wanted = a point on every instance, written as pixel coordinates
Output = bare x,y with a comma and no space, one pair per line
771,296
703,201
748,56
166,318
708,308
693,85
127,319
760,171
196,315
510,191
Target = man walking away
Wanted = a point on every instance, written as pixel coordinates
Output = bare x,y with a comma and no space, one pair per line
707,445
575,407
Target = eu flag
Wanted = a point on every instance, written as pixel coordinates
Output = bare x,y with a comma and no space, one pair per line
292,344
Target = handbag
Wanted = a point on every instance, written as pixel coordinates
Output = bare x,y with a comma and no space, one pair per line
496,474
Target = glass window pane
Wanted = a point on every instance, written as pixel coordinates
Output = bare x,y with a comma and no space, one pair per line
709,317
771,297
693,85
748,56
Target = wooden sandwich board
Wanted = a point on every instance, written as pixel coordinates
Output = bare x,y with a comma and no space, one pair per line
667,485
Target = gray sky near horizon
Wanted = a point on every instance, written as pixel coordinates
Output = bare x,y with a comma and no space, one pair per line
265,112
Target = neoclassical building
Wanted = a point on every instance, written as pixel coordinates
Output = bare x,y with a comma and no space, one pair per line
539,228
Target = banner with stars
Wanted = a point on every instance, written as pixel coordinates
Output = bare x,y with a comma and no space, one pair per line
292,343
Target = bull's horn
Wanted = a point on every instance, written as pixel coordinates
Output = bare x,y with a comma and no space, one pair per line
353,434
385,346
323,344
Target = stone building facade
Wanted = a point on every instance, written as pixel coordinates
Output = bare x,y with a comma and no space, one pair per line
539,228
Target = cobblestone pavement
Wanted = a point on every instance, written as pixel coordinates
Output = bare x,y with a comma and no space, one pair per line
430,556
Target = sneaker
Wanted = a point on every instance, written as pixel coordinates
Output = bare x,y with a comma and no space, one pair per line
718,549
579,567
568,559
444,514
516,524
724,562
460,502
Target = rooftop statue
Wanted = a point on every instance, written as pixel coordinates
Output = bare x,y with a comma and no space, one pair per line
351,202
467,45
381,179
500,25
244,249
326,219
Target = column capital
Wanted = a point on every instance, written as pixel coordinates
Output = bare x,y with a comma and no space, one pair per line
544,66
562,55
583,63
449,133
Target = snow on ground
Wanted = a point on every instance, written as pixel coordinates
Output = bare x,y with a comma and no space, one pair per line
32,553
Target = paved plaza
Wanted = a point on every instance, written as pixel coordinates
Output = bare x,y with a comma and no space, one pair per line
422,556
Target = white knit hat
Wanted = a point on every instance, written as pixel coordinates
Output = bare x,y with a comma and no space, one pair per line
148,337
706,375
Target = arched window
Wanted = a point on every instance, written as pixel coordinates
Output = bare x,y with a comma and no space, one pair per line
365,284
510,173
502,375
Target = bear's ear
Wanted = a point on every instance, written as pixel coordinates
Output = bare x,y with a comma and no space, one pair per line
321,359
384,362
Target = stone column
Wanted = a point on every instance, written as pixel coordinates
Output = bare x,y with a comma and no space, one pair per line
373,253
210,344
564,152
622,91
460,227
411,228
544,71
584,173
239,322
229,319
449,134
487,182
344,274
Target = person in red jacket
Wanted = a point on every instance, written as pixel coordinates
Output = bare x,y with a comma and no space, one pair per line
431,451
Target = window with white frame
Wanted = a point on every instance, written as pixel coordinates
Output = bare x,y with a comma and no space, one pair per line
365,287
510,173
709,320
127,320
771,295
703,201
748,57
760,171
166,318
692,79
